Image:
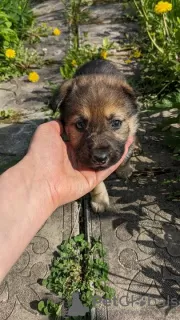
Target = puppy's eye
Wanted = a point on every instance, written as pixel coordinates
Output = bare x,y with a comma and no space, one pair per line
80,125
115,124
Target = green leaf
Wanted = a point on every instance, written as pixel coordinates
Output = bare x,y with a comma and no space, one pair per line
41,306
46,311
105,42
44,282
58,312
79,238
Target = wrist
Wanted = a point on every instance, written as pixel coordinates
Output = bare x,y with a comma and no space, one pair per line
38,187
25,206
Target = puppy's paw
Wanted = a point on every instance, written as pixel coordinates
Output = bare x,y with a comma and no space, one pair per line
100,202
126,172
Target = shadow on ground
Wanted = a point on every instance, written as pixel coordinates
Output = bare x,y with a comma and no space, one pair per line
14,141
141,230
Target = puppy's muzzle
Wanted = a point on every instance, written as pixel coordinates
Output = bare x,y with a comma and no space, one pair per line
100,156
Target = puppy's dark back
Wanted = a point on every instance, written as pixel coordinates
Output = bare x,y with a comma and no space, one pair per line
99,67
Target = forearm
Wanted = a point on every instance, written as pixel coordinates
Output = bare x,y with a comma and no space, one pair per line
22,213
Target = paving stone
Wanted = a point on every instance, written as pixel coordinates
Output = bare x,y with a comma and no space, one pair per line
7,94
115,32
48,9
26,95
14,139
105,13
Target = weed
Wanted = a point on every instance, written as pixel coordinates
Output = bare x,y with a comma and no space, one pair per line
23,60
171,181
35,32
78,267
9,115
77,12
16,17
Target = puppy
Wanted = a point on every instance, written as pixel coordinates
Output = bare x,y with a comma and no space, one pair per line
99,113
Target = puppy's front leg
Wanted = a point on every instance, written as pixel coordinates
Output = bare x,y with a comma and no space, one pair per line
99,198
125,171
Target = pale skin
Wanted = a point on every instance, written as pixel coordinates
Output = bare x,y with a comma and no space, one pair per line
46,178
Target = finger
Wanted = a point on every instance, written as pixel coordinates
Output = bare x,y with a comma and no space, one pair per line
57,125
93,178
105,173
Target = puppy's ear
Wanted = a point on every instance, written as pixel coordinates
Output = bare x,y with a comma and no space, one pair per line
60,94
128,91
130,94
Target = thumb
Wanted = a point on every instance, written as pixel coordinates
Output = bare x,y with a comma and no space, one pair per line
101,175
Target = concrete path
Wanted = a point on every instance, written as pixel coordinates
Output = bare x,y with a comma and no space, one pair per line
140,231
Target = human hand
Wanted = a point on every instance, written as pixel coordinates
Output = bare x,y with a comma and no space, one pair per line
47,177
53,161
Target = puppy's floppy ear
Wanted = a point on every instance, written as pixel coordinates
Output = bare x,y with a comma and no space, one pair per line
60,94
130,94
128,91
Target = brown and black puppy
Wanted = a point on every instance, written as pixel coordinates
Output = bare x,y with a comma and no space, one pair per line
99,113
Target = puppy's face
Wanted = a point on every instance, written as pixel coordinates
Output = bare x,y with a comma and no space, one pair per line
99,114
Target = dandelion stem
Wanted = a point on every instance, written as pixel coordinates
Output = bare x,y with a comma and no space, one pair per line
165,25
143,13
154,42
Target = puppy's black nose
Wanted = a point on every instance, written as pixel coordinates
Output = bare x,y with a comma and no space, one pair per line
100,155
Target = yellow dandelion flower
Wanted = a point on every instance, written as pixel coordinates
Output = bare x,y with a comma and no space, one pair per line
10,53
162,7
74,63
137,54
128,61
103,54
33,76
56,32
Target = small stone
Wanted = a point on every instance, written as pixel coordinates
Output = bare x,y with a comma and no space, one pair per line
155,115
44,50
175,127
